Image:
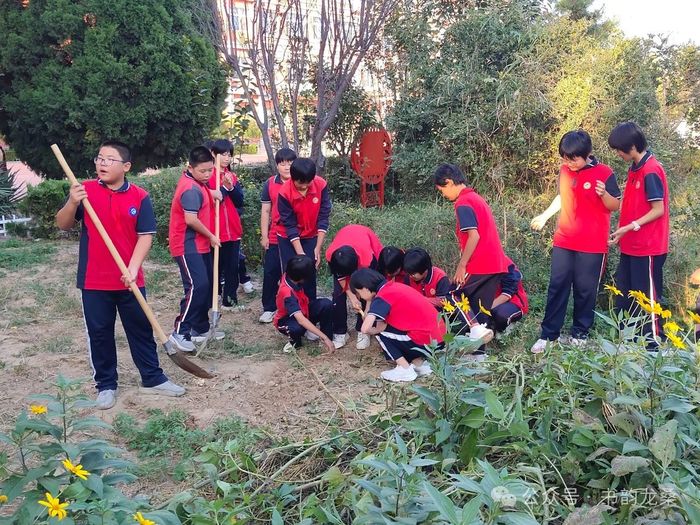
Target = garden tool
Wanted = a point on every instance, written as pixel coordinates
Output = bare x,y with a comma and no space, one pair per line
177,357
215,315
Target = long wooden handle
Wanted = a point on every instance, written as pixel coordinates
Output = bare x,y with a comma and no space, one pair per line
112,249
217,228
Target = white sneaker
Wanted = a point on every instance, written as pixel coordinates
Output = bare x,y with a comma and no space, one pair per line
248,287
578,343
288,348
479,332
311,336
476,357
267,317
164,389
363,341
106,399
539,346
400,374
339,340
423,370
181,343
233,308
200,338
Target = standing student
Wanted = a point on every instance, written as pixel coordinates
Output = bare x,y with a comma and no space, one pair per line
126,213
190,239
643,229
588,192
296,314
402,319
482,261
304,207
432,282
353,247
269,226
230,228
390,264
695,279
511,302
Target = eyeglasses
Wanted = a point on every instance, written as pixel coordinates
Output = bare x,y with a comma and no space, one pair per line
107,162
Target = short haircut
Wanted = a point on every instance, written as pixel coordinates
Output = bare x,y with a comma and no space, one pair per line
200,155
368,279
284,154
626,135
390,260
303,170
343,261
208,143
416,260
300,268
123,149
575,144
221,146
448,171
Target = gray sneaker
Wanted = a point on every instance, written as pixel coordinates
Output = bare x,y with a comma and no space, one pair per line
106,399
181,342
200,338
164,389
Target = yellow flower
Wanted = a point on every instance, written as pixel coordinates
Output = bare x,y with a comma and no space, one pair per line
677,341
613,289
78,470
56,508
3,499
695,317
665,314
671,327
484,310
648,308
639,296
143,521
37,409
448,306
463,304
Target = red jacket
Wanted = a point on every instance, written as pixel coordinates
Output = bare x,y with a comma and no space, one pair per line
230,228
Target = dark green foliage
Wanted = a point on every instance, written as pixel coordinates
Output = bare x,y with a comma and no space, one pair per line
79,73
8,192
41,204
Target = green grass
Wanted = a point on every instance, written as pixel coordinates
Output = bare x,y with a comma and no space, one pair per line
54,345
16,254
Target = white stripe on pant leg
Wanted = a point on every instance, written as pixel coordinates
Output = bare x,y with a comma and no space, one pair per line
87,335
398,337
381,343
600,273
652,299
189,302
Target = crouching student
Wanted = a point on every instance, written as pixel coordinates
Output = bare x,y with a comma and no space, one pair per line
296,314
390,264
402,319
432,282
354,247
510,303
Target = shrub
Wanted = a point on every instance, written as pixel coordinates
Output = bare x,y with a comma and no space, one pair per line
41,204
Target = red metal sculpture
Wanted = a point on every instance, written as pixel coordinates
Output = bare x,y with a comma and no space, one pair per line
371,159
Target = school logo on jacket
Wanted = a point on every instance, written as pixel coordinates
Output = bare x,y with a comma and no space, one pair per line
587,186
432,291
315,200
638,185
132,211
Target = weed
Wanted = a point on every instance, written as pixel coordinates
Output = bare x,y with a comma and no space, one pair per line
18,254
55,345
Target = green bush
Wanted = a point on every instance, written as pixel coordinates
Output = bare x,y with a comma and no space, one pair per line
41,204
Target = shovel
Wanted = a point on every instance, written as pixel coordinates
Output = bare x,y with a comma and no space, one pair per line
178,357
215,315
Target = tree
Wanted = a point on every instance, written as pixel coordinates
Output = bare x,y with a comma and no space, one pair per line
81,72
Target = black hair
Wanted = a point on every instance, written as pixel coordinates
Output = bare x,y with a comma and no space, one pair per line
285,154
200,155
368,279
343,261
123,149
390,260
625,135
221,146
445,172
575,144
299,268
303,170
416,260
208,144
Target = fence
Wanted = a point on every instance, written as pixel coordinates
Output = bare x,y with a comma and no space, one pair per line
12,219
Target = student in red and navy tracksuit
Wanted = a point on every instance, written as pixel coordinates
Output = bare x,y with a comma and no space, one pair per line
390,264
510,303
403,320
230,228
269,227
304,207
126,213
588,192
482,260
353,247
643,232
190,238
432,282
296,314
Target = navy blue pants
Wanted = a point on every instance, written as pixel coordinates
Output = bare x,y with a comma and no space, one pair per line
504,315
100,309
397,344
196,274
340,310
644,274
578,271
228,271
272,273
287,252
320,313
480,290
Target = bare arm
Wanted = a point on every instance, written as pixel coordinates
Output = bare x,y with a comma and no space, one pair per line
65,218
265,210
501,299
611,203
319,244
656,211
538,222
310,327
368,325
143,246
193,222
472,241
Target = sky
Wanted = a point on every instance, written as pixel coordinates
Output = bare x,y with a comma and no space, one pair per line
680,19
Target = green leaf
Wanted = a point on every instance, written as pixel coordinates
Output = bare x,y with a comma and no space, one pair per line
445,507
675,404
632,445
662,443
494,404
430,398
518,518
474,418
276,518
468,448
162,517
627,400
444,431
623,465
470,511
